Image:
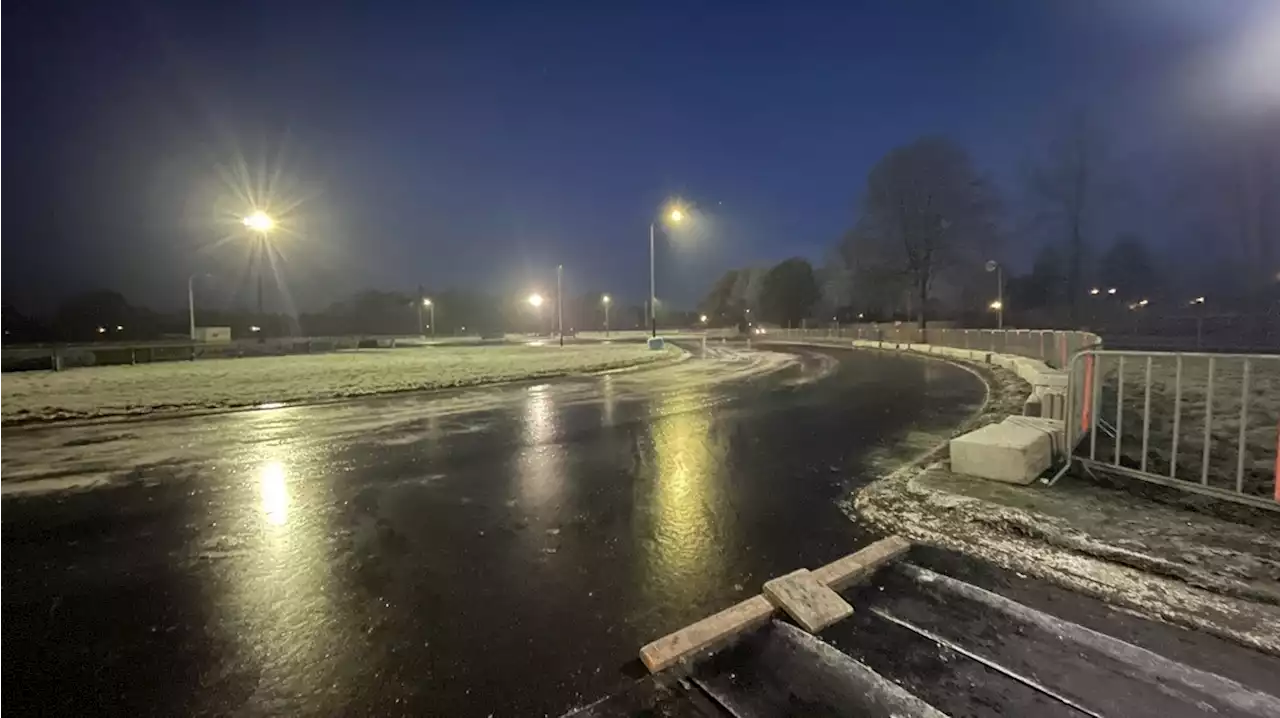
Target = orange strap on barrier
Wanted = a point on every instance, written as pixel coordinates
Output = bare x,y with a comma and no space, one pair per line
1086,406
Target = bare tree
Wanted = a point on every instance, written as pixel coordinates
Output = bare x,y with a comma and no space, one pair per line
1064,184
925,210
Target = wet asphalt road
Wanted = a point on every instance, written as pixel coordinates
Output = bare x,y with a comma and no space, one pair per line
498,551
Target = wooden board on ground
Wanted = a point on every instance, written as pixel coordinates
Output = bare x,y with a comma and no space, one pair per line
717,631
844,572
708,634
807,600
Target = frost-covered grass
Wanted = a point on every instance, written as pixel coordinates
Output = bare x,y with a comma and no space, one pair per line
1261,414
224,383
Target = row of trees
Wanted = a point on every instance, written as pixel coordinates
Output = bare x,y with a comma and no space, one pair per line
106,315
928,223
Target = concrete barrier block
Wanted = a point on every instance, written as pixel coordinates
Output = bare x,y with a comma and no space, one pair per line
1052,379
1055,429
1012,453
1054,404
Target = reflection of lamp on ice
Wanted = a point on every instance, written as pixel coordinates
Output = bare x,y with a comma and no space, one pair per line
275,493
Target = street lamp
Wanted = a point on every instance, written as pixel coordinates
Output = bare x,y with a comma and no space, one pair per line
676,216
535,300
426,302
1111,290
998,304
191,301
703,319
606,300
261,223
1095,291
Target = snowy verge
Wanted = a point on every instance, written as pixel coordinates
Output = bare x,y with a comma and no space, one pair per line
117,391
1165,563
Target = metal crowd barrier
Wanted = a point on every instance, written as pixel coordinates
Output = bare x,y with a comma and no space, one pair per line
1204,423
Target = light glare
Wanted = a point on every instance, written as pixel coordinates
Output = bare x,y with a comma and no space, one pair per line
259,221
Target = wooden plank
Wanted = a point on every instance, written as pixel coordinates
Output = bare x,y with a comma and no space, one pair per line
718,630
807,600
844,572
709,634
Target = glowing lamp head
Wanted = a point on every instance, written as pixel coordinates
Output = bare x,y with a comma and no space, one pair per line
535,300
259,222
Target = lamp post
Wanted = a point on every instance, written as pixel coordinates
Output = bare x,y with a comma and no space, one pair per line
535,301
426,302
260,223
605,300
677,216
999,305
560,301
191,301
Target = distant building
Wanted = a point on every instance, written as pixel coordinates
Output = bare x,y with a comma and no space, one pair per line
213,335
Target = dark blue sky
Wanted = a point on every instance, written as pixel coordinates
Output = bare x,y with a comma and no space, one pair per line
479,144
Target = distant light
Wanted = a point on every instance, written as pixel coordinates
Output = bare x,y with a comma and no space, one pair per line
1095,291
426,302
255,328
119,328
605,299
1198,300
259,221
703,318
1143,303
997,304
535,300
676,215
1111,290
859,315
102,330
464,329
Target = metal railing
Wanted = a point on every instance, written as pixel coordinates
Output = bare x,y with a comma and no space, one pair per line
1054,348
1205,423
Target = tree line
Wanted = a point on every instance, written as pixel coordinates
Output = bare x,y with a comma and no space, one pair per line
929,226
106,315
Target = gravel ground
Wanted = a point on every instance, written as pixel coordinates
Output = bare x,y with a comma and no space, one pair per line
1261,404
225,383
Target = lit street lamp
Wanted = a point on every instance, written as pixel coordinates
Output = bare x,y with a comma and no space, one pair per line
674,215
535,300
606,300
261,223
998,304
426,302
1111,290
1095,291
